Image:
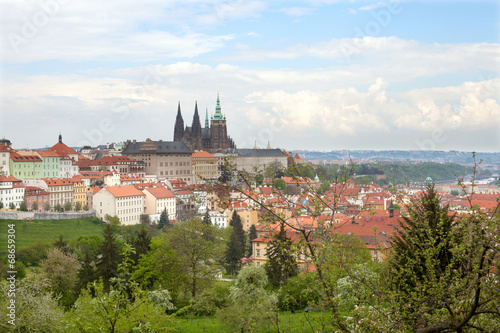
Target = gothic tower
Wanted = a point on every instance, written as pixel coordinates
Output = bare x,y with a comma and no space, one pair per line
218,129
196,129
179,125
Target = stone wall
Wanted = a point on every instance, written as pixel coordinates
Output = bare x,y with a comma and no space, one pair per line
18,215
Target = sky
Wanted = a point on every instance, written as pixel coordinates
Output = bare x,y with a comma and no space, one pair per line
314,74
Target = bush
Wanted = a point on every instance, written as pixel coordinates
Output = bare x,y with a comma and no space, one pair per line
31,256
299,292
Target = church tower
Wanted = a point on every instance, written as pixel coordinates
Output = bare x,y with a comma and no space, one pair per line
218,129
179,125
196,129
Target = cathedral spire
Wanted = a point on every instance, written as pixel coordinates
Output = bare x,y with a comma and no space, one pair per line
196,128
206,119
179,125
218,114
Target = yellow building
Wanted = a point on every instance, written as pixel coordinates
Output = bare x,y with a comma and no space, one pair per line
248,217
79,192
205,166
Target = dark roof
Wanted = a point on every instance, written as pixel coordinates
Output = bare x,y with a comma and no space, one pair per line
162,147
259,152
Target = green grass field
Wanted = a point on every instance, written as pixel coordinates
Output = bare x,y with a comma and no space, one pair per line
290,323
48,231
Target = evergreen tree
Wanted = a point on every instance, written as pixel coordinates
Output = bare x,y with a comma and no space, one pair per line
62,245
141,244
281,264
108,257
236,246
87,271
251,236
163,220
206,218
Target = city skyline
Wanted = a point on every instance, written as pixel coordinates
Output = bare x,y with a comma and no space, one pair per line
317,75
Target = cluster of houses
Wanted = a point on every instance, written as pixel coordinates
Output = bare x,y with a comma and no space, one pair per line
146,178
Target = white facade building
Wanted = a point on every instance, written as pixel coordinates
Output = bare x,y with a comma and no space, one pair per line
125,202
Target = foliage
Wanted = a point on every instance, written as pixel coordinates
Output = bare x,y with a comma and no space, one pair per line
36,310
62,245
259,178
46,207
441,269
85,208
61,270
279,184
58,207
34,206
87,272
300,291
281,264
12,206
403,173
19,268
32,255
23,207
198,247
208,302
125,308
141,244
251,307
236,244
78,206
160,267
1,204
107,262
145,219
113,220
163,220
252,234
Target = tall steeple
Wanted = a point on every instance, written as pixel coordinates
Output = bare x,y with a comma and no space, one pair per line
179,125
206,119
60,137
196,128
218,114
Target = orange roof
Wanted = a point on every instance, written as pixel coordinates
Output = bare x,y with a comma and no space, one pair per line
62,150
58,181
47,153
24,158
4,148
124,191
9,179
160,192
203,154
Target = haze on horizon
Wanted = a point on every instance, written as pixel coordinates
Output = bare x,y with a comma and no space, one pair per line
313,74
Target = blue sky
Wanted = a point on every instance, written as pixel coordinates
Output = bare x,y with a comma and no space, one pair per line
312,74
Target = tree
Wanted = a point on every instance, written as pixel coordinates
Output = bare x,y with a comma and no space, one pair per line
198,247
113,220
251,307
441,269
23,207
236,244
58,207
12,206
87,272
161,267
61,270
206,218
163,220
85,207
46,207
282,263
1,204
125,308
141,244
67,206
34,206
279,184
251,236
78,206
145,219
62,245
108,257
36,309
259,178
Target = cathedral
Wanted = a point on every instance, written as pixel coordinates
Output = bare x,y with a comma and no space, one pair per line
211,137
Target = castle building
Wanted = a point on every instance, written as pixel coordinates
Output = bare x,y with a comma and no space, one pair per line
211,137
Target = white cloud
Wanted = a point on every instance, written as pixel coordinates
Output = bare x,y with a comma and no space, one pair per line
373,6
297,11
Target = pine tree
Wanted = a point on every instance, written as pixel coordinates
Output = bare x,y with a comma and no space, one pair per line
206,218
251,236
62,245
141,244
236,246
108,257
87,271
163,220
281,264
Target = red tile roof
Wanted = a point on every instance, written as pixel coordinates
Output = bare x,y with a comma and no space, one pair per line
62,150
124,191
160,192
47,153
24,158
57,181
